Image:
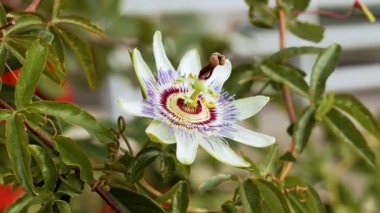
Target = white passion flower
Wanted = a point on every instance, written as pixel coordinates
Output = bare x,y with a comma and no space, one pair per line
190,108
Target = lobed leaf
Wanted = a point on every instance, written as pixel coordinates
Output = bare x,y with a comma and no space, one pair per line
80,22
351,105
214,181
286,75
33,66
73,155
17,147
181,198
323,67
133,201
346,131
74,115
82,51
250,197
303,128
46,166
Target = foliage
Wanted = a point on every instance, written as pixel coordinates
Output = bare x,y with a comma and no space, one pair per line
54,169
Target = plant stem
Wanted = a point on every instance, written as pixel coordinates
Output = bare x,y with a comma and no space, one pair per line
49,143
286,92
33,6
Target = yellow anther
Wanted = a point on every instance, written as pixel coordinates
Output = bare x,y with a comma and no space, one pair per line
192,76
208,104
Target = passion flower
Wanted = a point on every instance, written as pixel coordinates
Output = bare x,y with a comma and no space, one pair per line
190,108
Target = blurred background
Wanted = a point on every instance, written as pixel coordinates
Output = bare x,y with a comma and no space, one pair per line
223,26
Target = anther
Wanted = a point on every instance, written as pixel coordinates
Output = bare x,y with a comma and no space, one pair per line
215,60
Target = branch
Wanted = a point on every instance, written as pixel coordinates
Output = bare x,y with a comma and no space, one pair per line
49,143
286,92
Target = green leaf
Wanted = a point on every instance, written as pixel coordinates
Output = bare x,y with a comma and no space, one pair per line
303,128
304,30
3,15
134,202
214,181
288,156
169,194
300,5
273,197
35,63
24,21
323,67
346,131
57,45
302,197
5,113
56,9
325,106
268,162
73,155
23,203
229,207
286,75
181,198
83,52
143,159
71,185
62,206
290,52
261,15
3,57
74,115
46,166
17,147
359,112
168,167
250,197
80,22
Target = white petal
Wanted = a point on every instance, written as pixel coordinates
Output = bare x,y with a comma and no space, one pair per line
190,63
142,70
162,61
250,137
247,107
132,107
221,151
220,74
186,148
160,132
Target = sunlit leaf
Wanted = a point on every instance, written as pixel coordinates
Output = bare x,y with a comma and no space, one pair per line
134,202
359,112
74,115
18,152
73,155
143,159
214,181
303,128
82,51
323,67
346,131
181,198
250,197
80,22
46,166
286,75
34,64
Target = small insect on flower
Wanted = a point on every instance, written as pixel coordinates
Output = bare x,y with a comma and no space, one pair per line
190,108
